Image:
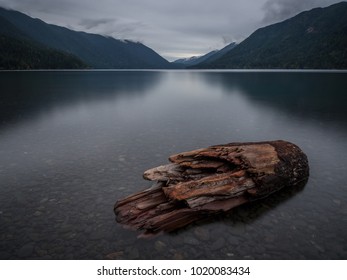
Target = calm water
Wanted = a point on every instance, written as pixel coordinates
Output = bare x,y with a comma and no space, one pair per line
72,143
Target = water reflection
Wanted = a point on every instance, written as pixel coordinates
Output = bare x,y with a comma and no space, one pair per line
303,95
251,212
26,94
72,143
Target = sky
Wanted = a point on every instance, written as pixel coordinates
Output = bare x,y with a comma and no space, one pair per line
173,28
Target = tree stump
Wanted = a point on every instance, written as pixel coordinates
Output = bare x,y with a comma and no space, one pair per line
209,181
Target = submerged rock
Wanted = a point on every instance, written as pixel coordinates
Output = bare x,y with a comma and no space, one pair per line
26,251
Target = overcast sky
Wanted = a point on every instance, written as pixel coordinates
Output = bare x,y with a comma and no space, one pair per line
173,28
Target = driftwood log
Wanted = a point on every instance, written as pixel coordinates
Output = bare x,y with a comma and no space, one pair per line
210,181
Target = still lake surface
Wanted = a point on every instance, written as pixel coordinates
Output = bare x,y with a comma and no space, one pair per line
72,143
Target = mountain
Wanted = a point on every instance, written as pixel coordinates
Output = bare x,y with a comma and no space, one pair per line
22,53
96,51
209,57
18,54
315,39
220,53
194,59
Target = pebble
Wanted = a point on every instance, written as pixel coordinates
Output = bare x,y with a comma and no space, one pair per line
270,238
37,213
301,223
96,235
26,251
34,236
133,253
202,234
65,229
41,252
115,255
239,229
178,256
233,240
4,256
44,200
191,240
337,202
69,257
218,244
160,246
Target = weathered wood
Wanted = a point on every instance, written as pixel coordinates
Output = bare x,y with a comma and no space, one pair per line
209,181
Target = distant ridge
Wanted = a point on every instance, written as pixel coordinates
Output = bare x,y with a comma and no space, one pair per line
93,50
209,57
194,59
315,39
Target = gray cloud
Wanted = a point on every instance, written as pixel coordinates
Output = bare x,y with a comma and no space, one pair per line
33,7
227,39
117,27
92,23
278,10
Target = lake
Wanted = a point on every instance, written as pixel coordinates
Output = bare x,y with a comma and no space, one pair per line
74,142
